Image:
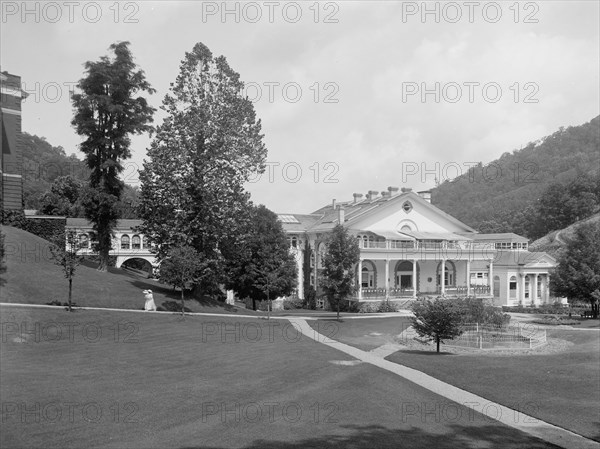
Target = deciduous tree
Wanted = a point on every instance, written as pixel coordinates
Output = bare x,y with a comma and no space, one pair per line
180,269
209,145
439,320
107,111
63,251
261,266
578,273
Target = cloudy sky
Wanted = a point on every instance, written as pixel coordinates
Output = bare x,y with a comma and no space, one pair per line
353,95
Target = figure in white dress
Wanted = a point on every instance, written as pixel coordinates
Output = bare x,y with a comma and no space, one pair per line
149,301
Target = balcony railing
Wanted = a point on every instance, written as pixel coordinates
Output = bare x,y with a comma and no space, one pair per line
423,245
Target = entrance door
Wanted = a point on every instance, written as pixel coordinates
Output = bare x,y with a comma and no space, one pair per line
405,281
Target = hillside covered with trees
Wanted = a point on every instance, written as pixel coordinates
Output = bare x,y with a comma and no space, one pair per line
53,183
548,185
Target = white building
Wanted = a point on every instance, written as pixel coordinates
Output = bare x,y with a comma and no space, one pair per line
408,248
127,243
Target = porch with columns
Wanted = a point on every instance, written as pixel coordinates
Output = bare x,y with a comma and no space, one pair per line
428,276
535,288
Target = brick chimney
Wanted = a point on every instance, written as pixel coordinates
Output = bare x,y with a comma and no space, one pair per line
333,203
372,194
426,195
357,197
341,215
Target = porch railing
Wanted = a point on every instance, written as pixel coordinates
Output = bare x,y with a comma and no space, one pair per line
369,293
463,290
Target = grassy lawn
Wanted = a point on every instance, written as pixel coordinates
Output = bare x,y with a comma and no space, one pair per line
561,388
124,379
365,334
33,278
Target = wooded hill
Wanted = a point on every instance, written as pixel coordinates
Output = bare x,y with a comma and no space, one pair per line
548,185
53,181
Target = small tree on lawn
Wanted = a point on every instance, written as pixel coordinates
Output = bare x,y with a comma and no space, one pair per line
180,269
338,266
260,265
439,320
578,273
63,251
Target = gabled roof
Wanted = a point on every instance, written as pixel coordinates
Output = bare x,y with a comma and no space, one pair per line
523,258
327,217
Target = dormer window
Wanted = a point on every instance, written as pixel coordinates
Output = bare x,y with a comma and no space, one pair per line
407,206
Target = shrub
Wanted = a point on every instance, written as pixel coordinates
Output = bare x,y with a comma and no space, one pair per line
348,306
385,307
475,310
292,303
368,307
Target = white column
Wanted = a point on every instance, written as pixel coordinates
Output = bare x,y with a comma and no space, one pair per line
534,296
360,278
547,289
468,277
442,276
522,295
299,261
414,278
491,277
387,278
316,269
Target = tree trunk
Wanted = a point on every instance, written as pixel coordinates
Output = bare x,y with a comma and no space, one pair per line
437,339
338,310
70,292
103,260
182,303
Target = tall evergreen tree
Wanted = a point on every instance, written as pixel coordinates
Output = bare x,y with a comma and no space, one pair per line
107,111
207,148
338,266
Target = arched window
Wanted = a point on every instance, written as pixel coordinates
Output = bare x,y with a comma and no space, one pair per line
406,228
512,287
294,242
83,240
136,242
496,286
125,242
369,275
145,243
449,274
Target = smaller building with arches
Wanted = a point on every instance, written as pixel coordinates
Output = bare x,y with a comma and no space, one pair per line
129,247
410,248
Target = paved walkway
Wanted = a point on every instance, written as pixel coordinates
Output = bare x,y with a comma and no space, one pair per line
513,418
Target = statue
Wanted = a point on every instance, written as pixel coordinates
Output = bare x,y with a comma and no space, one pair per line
149,306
